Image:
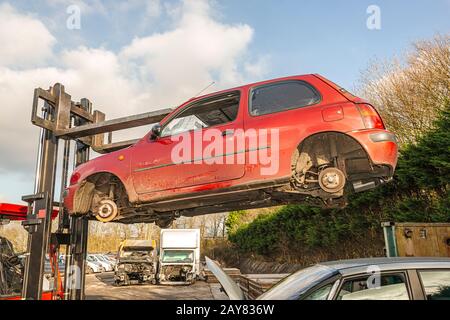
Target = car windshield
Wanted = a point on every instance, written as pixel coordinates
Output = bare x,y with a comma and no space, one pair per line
135,253
178,256
297,284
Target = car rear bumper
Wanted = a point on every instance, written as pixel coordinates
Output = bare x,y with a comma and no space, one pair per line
381,147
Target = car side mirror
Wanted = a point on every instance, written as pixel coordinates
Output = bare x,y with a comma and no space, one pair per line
156,131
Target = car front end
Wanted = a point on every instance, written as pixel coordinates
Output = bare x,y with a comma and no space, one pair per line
177,267
134,272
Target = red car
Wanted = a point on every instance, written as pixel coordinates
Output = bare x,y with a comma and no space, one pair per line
288,140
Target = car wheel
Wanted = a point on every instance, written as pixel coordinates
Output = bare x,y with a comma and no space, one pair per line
89,270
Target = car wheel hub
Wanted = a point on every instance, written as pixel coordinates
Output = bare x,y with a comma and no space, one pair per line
107,211
332,180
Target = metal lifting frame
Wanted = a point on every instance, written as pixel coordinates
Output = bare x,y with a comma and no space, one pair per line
61,118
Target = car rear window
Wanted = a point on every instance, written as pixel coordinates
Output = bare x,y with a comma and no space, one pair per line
282,96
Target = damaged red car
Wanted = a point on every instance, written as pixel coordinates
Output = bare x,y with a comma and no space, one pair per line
300,139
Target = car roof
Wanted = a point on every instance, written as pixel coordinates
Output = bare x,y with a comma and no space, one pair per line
261,82
354,266
241,87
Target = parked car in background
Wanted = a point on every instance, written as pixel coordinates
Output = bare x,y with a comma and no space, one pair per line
284,141
111,260
111,255
105,265
109,266
93,266
360,279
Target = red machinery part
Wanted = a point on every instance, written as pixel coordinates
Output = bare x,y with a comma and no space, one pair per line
17,212
48,295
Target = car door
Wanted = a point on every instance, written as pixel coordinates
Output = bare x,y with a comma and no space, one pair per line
275,112
192,148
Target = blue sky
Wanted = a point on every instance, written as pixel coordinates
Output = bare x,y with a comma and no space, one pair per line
328,37
132,56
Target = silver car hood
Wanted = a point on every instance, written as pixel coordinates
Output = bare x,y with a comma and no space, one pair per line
233,291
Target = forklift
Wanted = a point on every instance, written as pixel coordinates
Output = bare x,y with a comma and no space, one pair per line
80,128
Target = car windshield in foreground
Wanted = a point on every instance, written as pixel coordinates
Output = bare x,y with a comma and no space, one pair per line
178,256
297,284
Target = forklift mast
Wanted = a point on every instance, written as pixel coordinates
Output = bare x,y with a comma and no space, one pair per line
60,118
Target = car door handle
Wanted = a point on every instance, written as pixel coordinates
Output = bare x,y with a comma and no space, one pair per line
227,132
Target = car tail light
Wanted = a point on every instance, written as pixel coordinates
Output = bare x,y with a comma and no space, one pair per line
370,116
74,178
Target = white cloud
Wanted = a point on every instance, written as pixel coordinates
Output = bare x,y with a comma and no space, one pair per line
92,73
25,41
197,51
157,71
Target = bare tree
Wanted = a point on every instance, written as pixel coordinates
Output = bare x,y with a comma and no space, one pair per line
409,92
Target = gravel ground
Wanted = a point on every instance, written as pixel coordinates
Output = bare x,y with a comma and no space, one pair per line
100,287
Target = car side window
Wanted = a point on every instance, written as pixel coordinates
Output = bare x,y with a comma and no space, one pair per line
387,287
436,284
282,96
204,114
321,293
